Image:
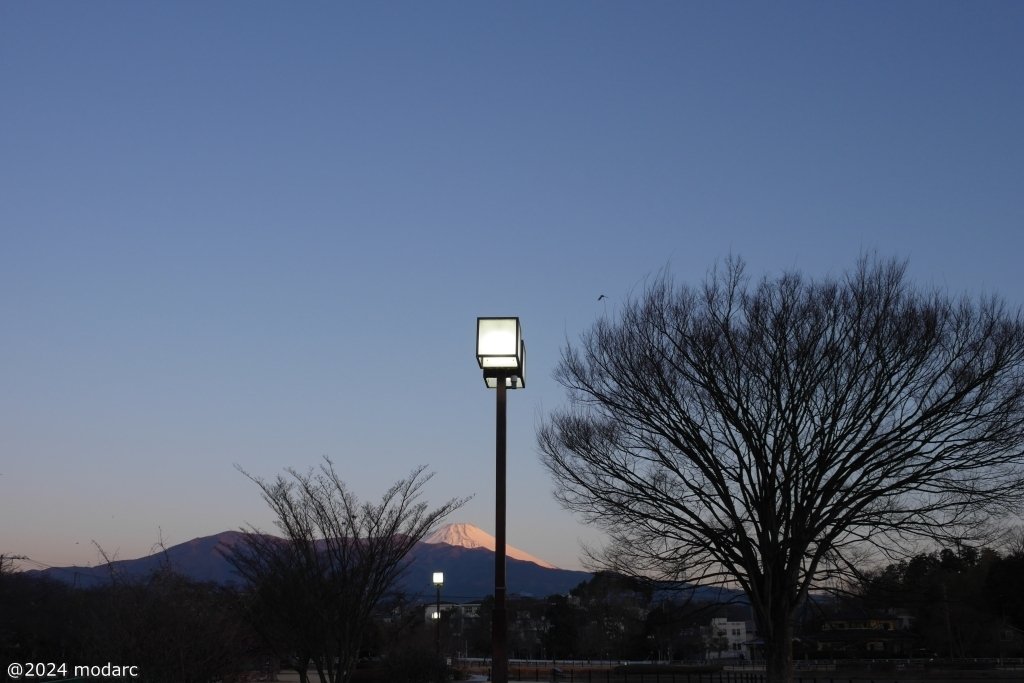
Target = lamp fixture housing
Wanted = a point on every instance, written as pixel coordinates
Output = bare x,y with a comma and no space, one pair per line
501,351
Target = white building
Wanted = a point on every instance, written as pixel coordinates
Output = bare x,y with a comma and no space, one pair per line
727,639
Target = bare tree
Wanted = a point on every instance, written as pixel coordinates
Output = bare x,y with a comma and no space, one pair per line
766,434
1013,544
314,591
7,563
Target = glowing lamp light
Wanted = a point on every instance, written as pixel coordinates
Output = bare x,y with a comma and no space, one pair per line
438,579
501,352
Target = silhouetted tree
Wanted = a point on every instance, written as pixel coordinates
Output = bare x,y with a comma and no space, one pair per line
612,611
564,624
766,433
38,617
7,563
673,628
477,632
960,599
174,629
314,591
1004,588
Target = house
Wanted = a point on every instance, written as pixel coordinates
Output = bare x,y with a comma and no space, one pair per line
860,633
729,638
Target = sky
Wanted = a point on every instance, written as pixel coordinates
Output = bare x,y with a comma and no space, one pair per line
251,234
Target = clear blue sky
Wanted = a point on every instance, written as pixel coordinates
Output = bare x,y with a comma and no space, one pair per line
261,232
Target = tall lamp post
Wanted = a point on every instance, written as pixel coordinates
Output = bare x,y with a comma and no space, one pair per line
438,582
501,354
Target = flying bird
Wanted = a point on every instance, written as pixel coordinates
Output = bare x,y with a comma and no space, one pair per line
601,297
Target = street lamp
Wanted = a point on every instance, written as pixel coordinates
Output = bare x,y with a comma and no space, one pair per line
438,582
501,354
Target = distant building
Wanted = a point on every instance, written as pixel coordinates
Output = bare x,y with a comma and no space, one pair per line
729,638
1010,640
860,633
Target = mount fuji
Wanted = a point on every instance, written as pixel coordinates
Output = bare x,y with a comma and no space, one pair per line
465,553
469,536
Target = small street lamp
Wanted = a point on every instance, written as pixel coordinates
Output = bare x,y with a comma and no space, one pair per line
438,582
501,354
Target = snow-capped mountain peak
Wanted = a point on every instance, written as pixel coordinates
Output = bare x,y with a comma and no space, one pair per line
469,536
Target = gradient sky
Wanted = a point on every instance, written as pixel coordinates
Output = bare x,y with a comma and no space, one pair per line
258,233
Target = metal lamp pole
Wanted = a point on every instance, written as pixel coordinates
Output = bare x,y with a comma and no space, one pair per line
501,353
499,628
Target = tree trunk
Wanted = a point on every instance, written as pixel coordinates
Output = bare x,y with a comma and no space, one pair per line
779,651
301,666
346,667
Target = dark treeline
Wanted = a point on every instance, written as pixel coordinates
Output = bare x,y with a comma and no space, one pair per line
176,630
955,603
615,617
961,602
172,628
951,603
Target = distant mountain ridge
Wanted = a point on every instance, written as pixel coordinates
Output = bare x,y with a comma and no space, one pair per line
467,563
201,559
